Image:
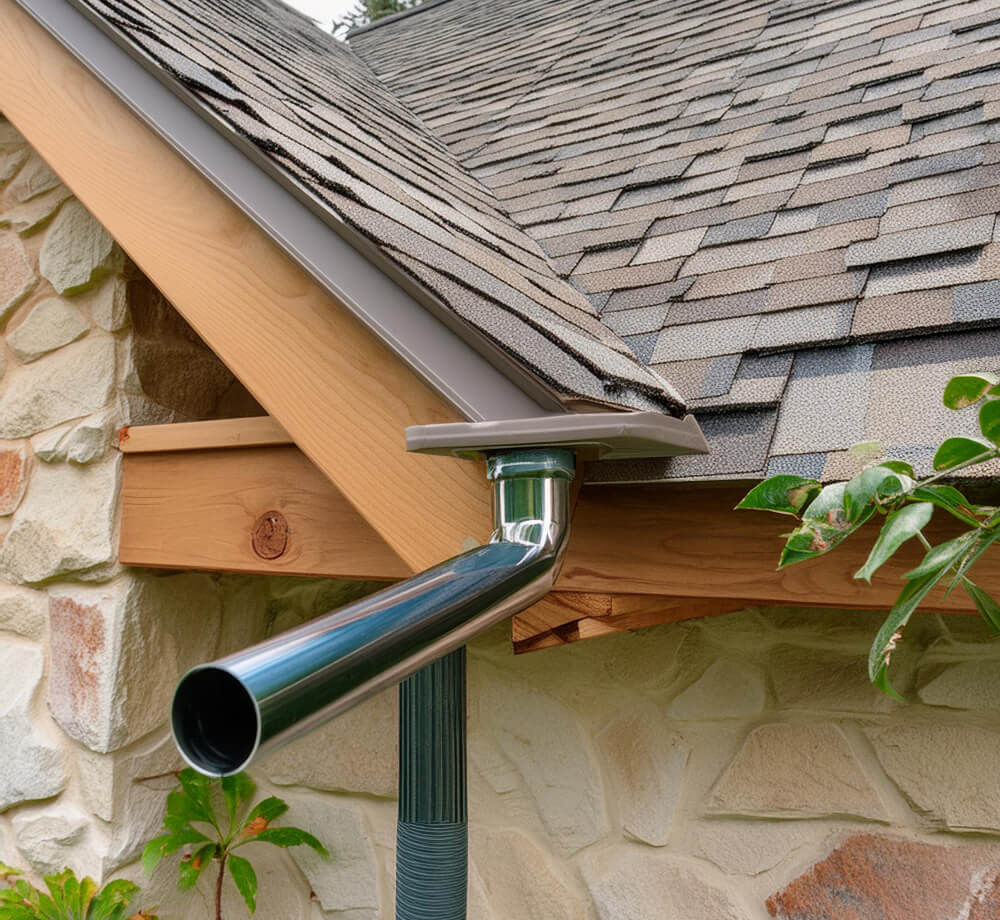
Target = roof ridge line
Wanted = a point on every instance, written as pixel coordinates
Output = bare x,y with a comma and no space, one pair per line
385,20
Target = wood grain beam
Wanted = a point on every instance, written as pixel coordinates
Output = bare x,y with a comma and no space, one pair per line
331,384
680,549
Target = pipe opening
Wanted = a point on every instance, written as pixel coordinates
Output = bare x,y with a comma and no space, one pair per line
215,721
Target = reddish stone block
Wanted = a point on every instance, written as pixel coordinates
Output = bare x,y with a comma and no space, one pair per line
75,680
874,877
13,478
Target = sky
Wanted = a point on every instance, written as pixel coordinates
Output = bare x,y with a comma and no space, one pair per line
323,10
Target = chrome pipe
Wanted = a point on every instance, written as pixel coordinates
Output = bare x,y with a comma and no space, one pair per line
227,713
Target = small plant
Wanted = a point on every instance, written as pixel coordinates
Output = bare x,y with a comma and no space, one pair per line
829,514
210,819
68,898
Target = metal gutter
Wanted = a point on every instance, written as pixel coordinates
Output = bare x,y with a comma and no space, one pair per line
472,374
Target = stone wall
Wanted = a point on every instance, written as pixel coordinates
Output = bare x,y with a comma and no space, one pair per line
728,769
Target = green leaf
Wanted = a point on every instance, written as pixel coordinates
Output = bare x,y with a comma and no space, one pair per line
967,389
890,633
988,608
899,527
290,837
941,557
989,420
784,494
824,525
949,498
237,789
114,898
866,451
899,466
194,797
955,451
245,879
190,869
154,851
270,808
870,486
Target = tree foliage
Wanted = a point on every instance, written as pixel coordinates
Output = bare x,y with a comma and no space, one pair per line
208,820
889,491
366,11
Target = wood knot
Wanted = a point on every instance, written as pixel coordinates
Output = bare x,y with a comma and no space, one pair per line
270,535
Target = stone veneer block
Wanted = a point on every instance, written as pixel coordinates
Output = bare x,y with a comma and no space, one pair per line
871,876
71,382
65,525
947,771
23,612
118,651
522,880
629,883
795,770
547,744
648,764
17,277
356,752
349,881
13,478
971,685
51,324
727,690
31,766
47,839
77,250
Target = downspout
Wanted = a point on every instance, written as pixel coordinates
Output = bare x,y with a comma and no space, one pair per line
227,713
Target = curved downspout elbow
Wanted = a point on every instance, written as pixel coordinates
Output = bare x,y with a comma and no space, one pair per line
229,712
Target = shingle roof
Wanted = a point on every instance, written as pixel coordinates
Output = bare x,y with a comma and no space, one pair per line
789,208
319,113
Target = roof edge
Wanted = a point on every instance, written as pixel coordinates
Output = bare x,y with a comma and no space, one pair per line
385,20
480,382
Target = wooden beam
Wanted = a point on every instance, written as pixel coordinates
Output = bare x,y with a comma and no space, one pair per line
327,380
264,510
682,542
257,431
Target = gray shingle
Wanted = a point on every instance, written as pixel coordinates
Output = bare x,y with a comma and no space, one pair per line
928,166
975,303
922,241
747,228
719,377
859,208
632,322
705,340
808,465
651,295
804,326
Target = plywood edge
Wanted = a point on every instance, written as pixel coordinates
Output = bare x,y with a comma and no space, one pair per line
258,431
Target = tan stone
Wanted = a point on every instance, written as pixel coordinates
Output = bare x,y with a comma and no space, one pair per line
77,442
48,837
77,250
65,525
750,847
23,611
348,881
871,876
794,770
547,744
964,685
13,478
356,752
520,879
31,216
630,883
17,277
119,649
34,179
647,764
727,690
108,304
31,766
823,679
74,381
51,324
947,772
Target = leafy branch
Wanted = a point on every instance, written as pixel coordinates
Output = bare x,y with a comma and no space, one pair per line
68,898
209,820
889,489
